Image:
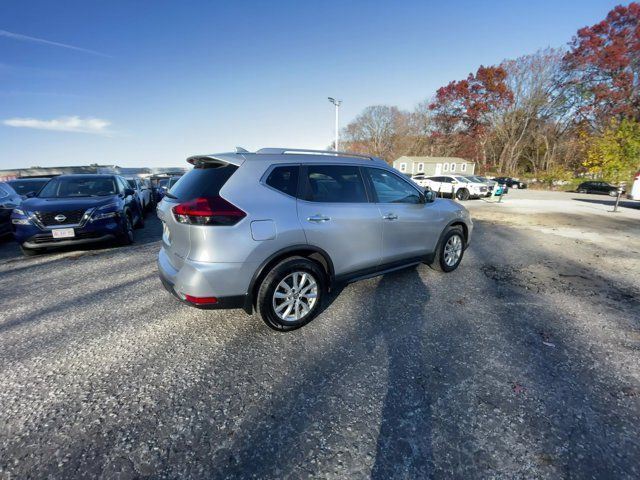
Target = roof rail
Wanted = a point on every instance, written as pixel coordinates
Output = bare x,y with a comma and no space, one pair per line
304,151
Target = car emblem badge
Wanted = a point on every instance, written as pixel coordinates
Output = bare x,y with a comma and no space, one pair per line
60,218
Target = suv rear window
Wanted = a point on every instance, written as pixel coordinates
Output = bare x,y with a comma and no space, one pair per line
285,179
205,180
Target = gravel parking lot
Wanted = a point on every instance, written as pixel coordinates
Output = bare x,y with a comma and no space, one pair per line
523,363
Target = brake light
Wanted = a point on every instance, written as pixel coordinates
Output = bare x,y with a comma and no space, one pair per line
208,211
201,300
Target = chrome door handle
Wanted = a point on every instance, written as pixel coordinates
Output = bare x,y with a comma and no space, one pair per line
390,216
318,219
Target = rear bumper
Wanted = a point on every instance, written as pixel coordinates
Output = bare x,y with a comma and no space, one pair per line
227,282
223,303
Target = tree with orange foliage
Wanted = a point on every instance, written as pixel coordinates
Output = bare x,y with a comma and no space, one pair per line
465,107
603,67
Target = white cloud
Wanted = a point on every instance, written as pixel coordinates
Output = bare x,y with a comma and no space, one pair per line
63,124
42,41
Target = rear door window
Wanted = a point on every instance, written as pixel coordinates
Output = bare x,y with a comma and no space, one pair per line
204,180
334,184
284,179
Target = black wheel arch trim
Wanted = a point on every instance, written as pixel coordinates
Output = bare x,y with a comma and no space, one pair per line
455,222
249,297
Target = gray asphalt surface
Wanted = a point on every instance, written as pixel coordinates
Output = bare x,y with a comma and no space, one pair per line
520,364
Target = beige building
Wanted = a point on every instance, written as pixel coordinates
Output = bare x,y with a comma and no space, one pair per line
434,166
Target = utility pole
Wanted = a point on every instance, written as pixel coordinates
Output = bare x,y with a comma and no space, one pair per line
337,104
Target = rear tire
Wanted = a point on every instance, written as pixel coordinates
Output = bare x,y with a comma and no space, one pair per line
462,194
449,251
291,293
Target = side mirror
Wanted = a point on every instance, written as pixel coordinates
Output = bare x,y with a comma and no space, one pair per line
129,191
429,195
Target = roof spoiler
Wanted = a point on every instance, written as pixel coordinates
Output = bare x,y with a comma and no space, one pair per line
199,159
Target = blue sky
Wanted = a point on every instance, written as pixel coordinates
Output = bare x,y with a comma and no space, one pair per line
152,82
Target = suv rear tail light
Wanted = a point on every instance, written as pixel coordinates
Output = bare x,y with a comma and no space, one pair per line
208,211
201,300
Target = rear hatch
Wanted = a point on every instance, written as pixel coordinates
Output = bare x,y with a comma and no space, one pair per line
203,182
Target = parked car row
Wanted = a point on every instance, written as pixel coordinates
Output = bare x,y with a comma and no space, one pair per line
462,187
74,210
164,185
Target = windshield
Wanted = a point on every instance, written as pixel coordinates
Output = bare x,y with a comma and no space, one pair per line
132,183
25,187
79,187
462,179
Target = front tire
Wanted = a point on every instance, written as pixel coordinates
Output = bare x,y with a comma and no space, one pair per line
449,251
291,293
127,235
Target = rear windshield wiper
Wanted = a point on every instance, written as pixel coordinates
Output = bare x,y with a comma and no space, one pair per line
170,195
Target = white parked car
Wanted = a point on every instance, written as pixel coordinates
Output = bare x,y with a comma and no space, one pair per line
481,181
143,192
421,179
634,191
456,186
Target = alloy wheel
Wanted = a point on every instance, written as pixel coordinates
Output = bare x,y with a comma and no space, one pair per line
295,296
452,250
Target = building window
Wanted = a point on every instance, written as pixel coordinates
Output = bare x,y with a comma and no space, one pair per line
403,167
420,167
445,167
453,167
463,167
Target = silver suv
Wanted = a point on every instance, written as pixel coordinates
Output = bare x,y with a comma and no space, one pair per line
274,230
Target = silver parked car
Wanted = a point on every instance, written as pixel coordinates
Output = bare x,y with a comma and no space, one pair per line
273,230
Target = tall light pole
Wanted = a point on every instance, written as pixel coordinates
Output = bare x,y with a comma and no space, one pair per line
337,103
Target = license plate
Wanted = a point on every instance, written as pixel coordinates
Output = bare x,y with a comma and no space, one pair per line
63,233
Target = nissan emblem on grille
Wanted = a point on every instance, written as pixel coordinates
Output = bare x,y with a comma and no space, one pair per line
60,218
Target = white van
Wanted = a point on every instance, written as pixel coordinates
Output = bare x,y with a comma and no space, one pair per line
634,191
